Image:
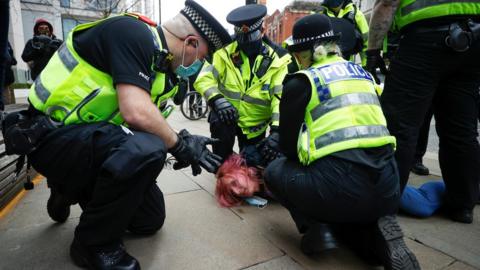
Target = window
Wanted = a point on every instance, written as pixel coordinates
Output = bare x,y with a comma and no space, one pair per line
68,24
65,3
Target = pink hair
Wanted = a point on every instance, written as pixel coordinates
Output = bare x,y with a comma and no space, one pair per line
235,173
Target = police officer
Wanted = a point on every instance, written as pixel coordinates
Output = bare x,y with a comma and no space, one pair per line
243,85
102,88
436,64
347,10
339,166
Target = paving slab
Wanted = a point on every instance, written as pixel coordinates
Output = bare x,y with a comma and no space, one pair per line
274,223
458,240
459,266
171,182
199,235
429,259
32,210
39,247
206,181
282,263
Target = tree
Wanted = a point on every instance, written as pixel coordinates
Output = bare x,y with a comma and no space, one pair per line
108,7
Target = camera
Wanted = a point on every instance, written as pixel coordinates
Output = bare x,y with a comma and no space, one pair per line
40,42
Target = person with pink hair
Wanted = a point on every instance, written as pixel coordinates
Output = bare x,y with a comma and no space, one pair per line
235,181
240,179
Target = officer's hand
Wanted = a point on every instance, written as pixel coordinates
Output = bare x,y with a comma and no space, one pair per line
374,61
191,150
227,113
270,149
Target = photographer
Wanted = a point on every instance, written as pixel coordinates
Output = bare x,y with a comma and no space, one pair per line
41,47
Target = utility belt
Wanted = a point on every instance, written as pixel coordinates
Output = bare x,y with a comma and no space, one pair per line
24,130
461,33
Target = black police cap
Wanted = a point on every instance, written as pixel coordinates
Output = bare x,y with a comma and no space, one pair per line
247,18
311,29
206,25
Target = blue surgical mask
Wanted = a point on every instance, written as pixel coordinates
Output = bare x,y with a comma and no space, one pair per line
256,201
185,72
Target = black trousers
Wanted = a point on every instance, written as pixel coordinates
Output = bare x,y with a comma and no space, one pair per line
333,190
426,72
226,134
422,142
110,173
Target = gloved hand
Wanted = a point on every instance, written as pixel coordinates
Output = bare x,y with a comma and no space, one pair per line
55,44
40,41
227,113
271,147
191,150
374,61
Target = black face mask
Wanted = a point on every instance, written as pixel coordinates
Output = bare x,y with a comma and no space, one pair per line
252,48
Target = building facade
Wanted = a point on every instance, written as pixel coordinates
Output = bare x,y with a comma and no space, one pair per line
279,24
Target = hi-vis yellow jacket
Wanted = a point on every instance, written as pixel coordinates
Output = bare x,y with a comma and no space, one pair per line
256,99
72,91
343,112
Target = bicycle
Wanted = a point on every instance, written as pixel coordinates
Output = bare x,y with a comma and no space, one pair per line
194,106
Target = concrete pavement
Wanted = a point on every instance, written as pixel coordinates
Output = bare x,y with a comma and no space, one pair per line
198,234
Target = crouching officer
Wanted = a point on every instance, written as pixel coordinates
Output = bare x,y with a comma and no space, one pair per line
339,166
243,85
102,89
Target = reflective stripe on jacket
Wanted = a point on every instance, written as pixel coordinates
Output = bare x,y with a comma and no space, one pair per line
343,112
411,11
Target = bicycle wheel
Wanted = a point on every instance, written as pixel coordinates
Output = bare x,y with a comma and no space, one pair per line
194,106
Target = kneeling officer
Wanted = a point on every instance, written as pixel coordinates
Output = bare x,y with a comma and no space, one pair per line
109,75
339,166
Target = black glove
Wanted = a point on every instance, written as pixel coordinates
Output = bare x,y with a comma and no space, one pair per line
271,147
191,150
55,44
227,113
374,61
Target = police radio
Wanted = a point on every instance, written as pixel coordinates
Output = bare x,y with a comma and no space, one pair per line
265,64
460,39
161,60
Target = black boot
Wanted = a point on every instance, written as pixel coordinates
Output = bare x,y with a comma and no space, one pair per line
420,169
58,207
389,246
461,215
317,239
112,258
